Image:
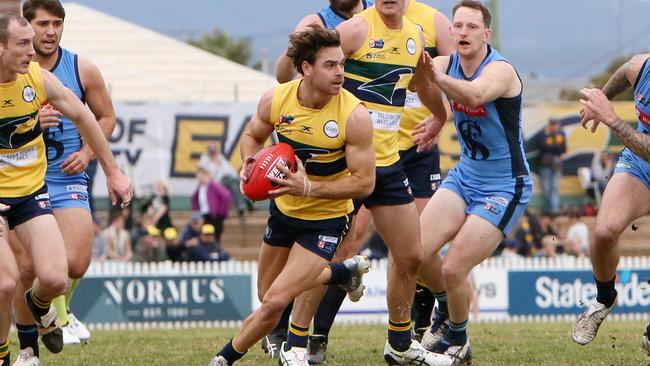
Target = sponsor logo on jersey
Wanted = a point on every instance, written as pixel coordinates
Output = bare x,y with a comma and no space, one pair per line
479,111
29,94
376,43
410,46
331,129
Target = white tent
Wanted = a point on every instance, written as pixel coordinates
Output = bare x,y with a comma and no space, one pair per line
140,65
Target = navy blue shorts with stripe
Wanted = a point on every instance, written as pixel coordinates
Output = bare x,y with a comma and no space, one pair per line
22,209
322,237
499,200
422,170
391,187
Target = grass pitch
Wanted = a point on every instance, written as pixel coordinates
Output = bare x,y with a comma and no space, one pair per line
618,343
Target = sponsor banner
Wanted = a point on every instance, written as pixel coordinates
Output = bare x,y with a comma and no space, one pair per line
165,140
567,292
114,299
492,287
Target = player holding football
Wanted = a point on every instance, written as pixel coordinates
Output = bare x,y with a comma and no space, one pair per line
331,132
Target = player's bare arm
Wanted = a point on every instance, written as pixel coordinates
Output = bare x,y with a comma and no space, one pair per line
598,105
284,70
624,77
428,92
258,130
99,102
444,44
499,79
67,103
352,33
359,157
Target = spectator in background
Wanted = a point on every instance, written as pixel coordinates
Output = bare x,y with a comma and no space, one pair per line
208,249
158,206
190,234
602,168
118,240
173,247
150,247
552,145
99,242
212,200
221,171
511,249
576,241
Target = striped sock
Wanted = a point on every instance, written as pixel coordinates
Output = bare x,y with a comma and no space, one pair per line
457,333
4,352
297,336
399,335
41,306
441,298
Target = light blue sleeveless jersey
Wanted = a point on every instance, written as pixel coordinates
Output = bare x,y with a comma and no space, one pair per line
331,18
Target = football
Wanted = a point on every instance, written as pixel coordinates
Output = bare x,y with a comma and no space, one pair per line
264,166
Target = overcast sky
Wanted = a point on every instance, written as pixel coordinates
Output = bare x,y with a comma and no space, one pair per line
551,38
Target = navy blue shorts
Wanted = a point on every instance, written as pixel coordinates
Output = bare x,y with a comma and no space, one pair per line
321,237
391,187
422,170
27,207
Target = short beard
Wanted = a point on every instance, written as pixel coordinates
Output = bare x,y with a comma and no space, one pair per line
41,53
344,6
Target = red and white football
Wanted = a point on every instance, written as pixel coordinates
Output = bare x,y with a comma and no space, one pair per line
264,166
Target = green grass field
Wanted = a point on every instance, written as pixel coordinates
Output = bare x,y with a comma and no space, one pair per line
494,344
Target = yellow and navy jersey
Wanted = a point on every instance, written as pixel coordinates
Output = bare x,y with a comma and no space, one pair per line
379,74
22,152
423,16
318,138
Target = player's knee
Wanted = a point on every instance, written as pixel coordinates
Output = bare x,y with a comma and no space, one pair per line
272,307
77,268
55,283
409,261
606,236
8,284
452,275
27,275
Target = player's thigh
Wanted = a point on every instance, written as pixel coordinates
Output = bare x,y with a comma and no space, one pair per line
8,267
441,220
271,261
625,199
76,227
399,227
299,274
42,239
476,240
23,259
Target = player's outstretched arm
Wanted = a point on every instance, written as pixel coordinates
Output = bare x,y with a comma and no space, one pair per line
284,69
602,109
67,103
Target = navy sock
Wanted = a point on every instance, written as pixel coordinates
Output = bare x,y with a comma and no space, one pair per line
28,337
441,298
230,353
422,307
327,310
283,324
297,336
340,274
399,335
457,334
4,352
606,292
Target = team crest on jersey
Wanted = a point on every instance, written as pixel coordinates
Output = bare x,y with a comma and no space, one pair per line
286,119
29,94
331,129
386,85
410,46
376,43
